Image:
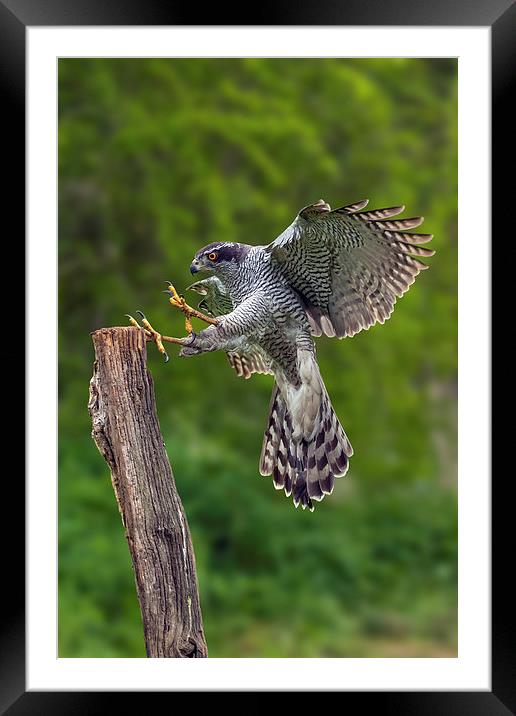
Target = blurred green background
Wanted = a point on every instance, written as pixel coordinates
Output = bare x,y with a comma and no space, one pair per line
158,157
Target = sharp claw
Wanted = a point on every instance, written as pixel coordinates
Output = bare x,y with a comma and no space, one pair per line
175,299
132,321
166,356
142,315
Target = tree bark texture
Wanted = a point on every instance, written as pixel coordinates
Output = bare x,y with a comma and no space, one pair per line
127,433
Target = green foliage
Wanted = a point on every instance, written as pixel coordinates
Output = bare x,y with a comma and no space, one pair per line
158,157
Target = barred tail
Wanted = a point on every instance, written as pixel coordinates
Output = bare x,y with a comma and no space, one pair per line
304,468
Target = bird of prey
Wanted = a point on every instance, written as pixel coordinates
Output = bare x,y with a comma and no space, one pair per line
331,272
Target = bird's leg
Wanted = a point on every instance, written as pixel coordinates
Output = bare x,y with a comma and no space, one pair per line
178,301
152,335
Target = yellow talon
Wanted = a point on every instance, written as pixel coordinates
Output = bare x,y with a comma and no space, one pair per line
188,314
175,299
150,333
133,321
178,301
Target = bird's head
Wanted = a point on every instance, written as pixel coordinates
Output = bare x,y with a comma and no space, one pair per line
219,258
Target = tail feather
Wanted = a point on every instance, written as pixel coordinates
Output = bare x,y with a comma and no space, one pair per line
290,472
304,468
273,433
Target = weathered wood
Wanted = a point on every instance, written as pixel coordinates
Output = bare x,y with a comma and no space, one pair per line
127,433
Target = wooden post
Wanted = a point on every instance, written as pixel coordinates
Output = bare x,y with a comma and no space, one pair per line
127,433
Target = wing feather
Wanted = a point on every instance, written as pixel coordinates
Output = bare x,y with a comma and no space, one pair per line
249,360
380,213
348,265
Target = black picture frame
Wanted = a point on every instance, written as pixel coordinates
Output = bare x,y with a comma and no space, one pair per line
500,16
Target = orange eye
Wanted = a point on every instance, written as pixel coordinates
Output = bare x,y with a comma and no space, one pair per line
212,256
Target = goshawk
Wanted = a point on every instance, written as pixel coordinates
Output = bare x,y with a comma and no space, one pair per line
329,273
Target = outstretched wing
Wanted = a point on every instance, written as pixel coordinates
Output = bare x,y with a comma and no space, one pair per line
348,265
247,359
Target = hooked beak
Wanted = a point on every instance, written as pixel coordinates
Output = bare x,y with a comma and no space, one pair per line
194,267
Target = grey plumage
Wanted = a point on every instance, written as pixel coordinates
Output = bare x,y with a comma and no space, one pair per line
248,359
330,272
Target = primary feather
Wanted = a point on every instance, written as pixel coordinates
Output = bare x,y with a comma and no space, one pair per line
348,265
